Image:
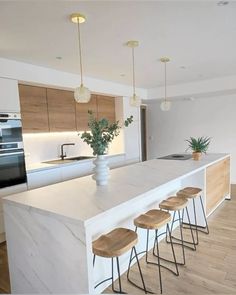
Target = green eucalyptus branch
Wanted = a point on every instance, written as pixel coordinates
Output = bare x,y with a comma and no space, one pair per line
102,133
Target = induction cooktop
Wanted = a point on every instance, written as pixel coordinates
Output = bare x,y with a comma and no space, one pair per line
176,157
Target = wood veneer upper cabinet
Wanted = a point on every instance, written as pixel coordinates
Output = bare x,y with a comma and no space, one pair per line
34,112
106,107
82,113
217,183
61,110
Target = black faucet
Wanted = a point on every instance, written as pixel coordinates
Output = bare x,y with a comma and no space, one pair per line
62,156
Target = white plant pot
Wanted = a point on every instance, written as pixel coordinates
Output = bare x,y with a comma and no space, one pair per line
101,170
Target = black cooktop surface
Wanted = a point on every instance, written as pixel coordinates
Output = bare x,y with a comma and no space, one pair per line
177,157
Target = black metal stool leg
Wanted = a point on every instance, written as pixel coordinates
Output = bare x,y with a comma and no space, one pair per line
111,278
147,242
140,271
172,224
184,242
182,239
172,248
204,214
94,257
195,220
191,229
112,275
118,271
158,259
141,275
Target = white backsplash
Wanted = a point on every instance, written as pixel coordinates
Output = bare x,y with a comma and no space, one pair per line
46,146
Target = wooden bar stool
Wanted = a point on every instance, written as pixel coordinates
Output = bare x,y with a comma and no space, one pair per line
154,220
114,244
193,193
177,204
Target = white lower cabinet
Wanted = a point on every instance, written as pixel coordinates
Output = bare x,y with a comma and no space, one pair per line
74,171
41,178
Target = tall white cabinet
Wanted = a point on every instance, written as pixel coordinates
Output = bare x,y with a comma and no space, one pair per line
9,96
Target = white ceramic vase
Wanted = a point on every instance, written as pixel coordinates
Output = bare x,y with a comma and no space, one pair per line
101,170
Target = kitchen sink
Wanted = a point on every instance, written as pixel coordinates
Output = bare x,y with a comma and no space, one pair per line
79,158
68,160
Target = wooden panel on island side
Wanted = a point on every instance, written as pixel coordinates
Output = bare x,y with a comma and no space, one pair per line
82,113
61,110
34,112
217,183
106,108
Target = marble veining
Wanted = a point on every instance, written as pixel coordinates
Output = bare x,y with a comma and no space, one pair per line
42,253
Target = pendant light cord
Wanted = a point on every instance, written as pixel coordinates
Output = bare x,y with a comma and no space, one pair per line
133,71
80,56
165,83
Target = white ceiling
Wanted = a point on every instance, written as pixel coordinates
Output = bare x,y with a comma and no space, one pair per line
199,35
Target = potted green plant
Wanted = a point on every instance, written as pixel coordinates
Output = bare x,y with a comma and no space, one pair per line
101,134
198,146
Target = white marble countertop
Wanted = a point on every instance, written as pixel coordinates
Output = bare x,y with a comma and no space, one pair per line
34,167
81,200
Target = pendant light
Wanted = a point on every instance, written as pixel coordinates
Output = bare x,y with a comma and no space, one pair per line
81,93
135,101
165,104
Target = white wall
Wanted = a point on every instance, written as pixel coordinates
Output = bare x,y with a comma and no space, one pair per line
132,133
36,75
204,88
214,117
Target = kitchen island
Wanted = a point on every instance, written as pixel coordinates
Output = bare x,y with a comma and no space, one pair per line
50,230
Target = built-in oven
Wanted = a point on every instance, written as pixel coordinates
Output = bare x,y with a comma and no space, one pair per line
12,159
10,128
12,165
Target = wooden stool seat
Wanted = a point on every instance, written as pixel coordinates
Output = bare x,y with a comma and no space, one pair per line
174,203
190,192
152,219
115,243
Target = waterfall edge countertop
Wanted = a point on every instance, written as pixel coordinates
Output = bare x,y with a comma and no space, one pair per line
81,201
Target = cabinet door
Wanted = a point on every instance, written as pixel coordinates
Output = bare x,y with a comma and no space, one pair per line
44,177
82,113
34,112
217,183
61,110
226,173
106,108
9,94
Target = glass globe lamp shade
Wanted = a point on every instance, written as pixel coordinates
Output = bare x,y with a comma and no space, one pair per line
82,94
165,105
135,101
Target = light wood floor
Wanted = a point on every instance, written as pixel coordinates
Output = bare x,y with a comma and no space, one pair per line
4,274
209,270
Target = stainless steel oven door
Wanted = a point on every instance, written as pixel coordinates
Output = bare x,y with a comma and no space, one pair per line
10,130
12,168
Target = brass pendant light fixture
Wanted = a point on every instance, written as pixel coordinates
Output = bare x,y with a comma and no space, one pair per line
81,93
165,104
135,101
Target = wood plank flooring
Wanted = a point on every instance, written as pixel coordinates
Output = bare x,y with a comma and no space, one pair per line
209,270
4,274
